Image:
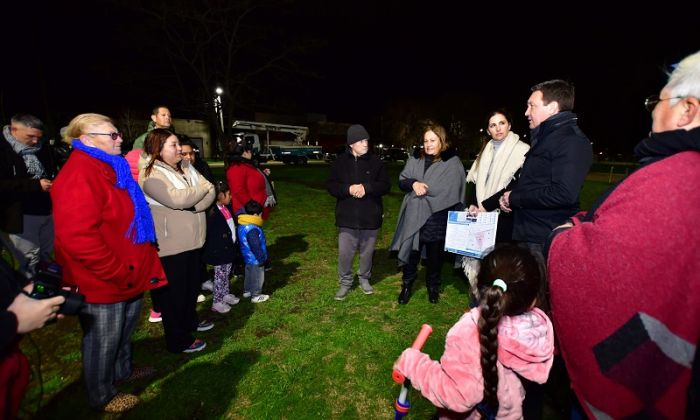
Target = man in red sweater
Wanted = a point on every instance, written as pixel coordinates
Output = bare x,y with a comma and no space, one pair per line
625,276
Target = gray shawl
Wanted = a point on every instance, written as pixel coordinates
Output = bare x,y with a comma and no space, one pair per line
446,187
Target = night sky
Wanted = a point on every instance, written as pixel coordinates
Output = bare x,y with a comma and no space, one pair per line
460,59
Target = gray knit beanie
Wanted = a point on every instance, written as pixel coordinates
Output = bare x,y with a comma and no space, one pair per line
356,133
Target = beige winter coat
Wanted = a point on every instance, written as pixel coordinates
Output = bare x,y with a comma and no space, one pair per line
177,202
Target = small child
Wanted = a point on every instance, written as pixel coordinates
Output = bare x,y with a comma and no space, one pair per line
490,345
254,249
219,248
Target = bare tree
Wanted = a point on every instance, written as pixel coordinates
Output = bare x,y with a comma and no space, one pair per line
217,43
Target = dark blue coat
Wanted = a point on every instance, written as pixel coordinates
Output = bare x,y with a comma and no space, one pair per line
555,167
219,248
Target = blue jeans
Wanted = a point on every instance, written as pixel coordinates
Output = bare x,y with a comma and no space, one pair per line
106,346
254,279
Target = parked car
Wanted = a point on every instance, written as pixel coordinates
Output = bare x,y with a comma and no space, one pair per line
393,154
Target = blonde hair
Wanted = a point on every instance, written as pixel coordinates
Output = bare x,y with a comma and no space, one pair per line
82,124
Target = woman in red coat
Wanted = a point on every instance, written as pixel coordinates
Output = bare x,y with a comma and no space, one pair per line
105,242
246,181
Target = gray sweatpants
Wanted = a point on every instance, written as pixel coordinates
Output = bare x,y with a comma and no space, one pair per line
349,242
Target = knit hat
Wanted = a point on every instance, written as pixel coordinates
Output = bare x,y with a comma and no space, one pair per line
356,133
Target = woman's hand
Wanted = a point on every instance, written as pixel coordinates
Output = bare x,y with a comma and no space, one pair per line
420,188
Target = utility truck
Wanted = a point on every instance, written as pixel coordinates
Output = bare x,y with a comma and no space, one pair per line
294,151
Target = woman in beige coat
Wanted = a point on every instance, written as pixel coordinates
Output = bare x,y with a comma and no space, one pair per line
178,196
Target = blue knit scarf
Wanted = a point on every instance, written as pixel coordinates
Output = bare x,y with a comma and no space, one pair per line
141,229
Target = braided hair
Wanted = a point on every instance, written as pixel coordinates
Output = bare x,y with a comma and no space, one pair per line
518,269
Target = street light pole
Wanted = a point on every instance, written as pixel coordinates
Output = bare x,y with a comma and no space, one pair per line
220,108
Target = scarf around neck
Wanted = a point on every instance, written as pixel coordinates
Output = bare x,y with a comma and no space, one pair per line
141,229
493,171
661,145
28,154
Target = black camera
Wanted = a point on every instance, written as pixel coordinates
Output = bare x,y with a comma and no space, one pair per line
47,284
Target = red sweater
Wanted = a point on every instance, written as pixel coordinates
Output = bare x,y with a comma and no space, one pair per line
246,183
625,294
91,218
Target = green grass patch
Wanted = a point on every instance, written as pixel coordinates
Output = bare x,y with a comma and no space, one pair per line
300,355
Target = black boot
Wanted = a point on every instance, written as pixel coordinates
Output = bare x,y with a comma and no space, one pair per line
433,294
405,294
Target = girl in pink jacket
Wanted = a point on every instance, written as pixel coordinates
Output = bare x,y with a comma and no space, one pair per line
489,346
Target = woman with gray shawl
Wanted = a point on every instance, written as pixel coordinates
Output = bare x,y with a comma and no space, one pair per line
433,180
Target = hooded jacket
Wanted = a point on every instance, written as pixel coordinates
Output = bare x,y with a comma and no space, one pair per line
368,170
525,348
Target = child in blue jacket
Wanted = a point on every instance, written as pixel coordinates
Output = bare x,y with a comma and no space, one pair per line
254,249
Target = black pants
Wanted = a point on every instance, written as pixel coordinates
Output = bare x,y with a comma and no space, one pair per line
178,300
434,255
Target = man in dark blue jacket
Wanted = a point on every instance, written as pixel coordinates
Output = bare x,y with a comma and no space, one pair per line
547,193
357,181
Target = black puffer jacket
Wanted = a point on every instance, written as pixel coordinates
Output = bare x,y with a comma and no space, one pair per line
368,170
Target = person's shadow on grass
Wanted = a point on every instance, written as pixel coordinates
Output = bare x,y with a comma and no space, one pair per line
201,390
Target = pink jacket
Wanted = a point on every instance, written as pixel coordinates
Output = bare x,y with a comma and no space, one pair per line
525,347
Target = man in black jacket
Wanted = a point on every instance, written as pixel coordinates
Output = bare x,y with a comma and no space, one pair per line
357,181
26,170
547,192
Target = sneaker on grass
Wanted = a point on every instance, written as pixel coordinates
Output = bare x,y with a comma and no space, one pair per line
208,285
220,307
231,299
154,316
205,325
246,295
342,293
259,298
366,287
198,345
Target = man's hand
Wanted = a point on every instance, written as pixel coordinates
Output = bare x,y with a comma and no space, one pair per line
420,188
46,184
31,313
504,203
357,190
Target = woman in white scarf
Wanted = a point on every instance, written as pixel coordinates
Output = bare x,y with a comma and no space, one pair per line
494,169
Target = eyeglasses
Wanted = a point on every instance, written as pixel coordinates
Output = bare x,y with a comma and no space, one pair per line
651,102
114,135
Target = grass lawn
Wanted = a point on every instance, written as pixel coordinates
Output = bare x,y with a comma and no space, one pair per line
299,355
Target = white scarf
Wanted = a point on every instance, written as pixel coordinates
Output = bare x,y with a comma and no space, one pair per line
189,178
498,169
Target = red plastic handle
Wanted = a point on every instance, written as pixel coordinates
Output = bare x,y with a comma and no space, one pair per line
425,331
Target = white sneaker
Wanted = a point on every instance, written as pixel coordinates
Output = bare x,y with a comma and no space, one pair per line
259,298
231,299
201,298
208,285
220,307
246,295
